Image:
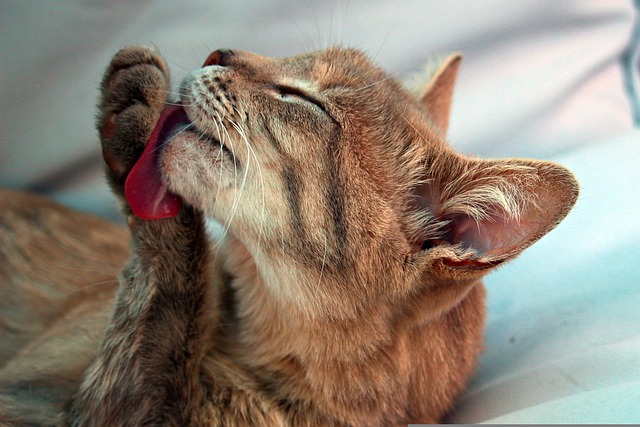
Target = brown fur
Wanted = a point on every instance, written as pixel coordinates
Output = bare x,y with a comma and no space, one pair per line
345,289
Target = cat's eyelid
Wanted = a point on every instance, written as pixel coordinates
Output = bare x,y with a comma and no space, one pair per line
289,90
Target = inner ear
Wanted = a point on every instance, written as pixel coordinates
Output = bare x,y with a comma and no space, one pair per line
491,236
472,234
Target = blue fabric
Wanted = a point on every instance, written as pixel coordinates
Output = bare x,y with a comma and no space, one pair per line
610,405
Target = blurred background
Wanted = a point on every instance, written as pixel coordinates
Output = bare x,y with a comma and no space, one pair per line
544,79
538,77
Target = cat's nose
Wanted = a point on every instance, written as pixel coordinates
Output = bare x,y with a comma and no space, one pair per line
219,57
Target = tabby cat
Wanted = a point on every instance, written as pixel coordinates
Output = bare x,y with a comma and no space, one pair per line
343,289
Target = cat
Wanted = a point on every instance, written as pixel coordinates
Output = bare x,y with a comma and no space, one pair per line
344,288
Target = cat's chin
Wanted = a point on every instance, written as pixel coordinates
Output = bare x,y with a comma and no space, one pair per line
197,168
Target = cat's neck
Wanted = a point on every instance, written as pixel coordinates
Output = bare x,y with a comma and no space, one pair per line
309,356
275,313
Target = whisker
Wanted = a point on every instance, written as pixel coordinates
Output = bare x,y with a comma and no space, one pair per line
180,66
389,77
176,104
252,154
173,93
93,285
220,153
386,37
113,269
234,207
308,43
324,263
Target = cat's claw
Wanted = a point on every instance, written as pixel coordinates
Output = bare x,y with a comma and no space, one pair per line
134,91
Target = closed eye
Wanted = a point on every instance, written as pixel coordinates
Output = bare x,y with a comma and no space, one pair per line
287,91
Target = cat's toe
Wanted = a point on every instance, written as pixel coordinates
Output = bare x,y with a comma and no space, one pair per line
133,93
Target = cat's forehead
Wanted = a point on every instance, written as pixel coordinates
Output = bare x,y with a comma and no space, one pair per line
336,66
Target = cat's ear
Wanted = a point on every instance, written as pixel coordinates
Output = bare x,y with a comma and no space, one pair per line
438,93
484,212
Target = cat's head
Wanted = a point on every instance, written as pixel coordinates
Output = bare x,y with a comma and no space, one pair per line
330,173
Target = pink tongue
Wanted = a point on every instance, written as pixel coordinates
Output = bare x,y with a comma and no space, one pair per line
144,189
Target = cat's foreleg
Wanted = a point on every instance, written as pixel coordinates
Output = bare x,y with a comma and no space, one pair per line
146,371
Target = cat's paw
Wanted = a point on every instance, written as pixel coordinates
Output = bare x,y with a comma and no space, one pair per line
134,91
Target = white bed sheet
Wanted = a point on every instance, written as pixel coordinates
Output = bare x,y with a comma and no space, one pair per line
540,78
